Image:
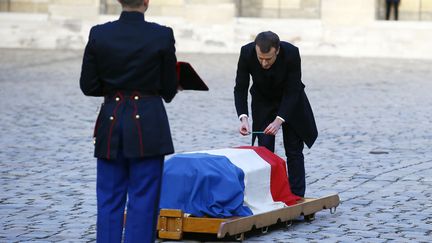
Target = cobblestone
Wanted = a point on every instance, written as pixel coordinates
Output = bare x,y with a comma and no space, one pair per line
373,116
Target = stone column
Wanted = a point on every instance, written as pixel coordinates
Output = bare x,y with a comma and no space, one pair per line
74,9
199,11
172,8
27,6
410,10
347,27
218,12
426,10
347,12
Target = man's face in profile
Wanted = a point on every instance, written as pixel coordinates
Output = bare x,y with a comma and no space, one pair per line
266,59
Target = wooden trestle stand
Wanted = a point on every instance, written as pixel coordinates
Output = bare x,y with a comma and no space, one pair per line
173,222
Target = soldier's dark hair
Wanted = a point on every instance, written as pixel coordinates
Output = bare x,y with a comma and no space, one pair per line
266,40
131,3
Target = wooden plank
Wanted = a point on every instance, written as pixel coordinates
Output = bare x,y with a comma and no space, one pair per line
170,235
307,207
315,205
202,225
246,224
173,213
169,222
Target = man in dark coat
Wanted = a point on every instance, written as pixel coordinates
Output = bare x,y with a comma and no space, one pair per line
132,64
395,4
278,100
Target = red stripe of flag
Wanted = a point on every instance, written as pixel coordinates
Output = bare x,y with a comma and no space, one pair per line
279,184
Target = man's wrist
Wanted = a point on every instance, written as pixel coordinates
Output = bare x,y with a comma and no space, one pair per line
243,116
281,119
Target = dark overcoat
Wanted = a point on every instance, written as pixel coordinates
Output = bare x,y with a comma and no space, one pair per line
277,91
132,64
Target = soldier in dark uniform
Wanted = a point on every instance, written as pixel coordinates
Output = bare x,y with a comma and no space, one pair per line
278,100
132,64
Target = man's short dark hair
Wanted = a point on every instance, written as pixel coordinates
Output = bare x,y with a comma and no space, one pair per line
266,40
131,3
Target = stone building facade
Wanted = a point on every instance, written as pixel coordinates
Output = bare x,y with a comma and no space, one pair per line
413,10
317,27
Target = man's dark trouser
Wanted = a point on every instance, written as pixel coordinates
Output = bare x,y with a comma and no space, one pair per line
138,179
295,159
395,4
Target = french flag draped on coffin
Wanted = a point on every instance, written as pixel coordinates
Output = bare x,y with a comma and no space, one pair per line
226,182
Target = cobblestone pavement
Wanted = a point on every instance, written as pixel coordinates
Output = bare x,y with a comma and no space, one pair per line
374,149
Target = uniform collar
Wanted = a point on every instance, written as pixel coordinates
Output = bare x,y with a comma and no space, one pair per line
132,16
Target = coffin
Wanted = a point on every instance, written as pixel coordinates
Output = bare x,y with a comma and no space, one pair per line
225,183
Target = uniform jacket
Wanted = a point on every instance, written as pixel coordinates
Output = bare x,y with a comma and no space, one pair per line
132,64
277,91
